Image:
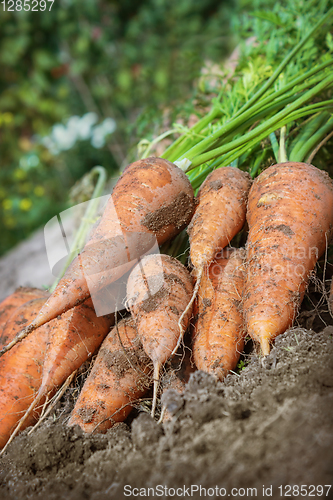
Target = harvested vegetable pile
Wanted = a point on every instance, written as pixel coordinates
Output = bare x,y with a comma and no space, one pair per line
246,252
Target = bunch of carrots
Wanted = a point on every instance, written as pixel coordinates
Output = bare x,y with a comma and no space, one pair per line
220,296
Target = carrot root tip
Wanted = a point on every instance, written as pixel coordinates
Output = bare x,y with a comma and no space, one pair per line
156,383
265,347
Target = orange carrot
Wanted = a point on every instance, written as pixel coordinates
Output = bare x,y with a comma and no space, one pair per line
158,291
73,338
152,199
290,216
118,378
21,370
219,216
11,303
218,334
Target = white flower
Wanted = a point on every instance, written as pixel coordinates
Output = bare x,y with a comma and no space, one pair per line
98,137
86,123
73,124
109,125
64,138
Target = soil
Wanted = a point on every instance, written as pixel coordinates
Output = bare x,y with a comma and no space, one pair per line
268,426
177,213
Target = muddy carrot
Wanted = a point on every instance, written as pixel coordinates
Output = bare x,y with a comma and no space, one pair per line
290,217
158,291
72,339
21,370
119,377
219,216
10,305
218,333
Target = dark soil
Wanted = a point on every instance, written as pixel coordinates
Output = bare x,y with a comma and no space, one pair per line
268,426
177,213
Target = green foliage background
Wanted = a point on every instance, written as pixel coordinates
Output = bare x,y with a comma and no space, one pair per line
139,63
127,60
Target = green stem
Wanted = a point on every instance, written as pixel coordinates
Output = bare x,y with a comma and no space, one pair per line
226,159
257,164
307,132
282,149
183,142
202,158
85,225
261,107
275,145
315,139
150,144
241,114
274,100
266,107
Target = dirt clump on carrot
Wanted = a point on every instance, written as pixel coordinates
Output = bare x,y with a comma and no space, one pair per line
119,377
290,217
74,337
176,213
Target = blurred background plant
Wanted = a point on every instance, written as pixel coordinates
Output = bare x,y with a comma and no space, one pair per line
85,83
81,83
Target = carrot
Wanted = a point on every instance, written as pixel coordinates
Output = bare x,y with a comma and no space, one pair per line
73,338
290,217
158,291
11,303
218,333
219,216
21,370
152,199
118,378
